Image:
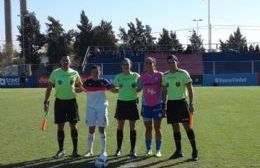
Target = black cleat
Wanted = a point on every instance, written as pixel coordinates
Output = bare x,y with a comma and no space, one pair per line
133,155
59,154
195,156
118,153
75,154
176,155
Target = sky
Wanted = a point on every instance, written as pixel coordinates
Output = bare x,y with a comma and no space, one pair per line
175,15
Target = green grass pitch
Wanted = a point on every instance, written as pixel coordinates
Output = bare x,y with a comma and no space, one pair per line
226,123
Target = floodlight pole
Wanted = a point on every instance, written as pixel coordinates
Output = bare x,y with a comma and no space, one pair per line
209,27
197,28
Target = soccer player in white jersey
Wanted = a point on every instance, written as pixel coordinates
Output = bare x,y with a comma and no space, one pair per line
97,108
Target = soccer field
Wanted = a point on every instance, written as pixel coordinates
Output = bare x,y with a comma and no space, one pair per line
226,123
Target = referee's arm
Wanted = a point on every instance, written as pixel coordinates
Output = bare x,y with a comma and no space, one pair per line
164,94
190,94
47,96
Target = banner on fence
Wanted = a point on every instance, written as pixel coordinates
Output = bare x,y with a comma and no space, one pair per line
230,80
9,81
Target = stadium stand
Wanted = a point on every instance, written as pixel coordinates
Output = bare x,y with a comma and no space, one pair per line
191,62
227,63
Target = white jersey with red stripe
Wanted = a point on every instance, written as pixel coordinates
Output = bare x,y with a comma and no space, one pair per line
95,90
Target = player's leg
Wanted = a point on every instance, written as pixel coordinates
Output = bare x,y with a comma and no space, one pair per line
102,137
185,117
91,124
73,118
102,122
157,118
177,140
60,119
60,139
91,137
74,137
191,135
148,135
132,138
158,137
147,117
119,136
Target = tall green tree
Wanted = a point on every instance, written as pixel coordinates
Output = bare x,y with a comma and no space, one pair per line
57,39
251,49
84,38
235,43
137,36
177,46
257,50
104,35
196,42
168,41
31,39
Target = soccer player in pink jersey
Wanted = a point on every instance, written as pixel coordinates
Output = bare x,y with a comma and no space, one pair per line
151,83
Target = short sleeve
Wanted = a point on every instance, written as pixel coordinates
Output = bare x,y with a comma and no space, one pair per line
187,79
116,83
52,78
78,79
164,83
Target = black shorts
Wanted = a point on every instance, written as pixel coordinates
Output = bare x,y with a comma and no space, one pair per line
177,111
66,110
127,110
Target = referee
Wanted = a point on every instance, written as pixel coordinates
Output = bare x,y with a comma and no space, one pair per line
125,84
176,82
64,80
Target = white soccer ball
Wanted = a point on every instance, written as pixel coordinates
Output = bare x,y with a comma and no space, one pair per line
101,161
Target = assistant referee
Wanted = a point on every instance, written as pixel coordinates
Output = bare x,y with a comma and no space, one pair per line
64,80
176,82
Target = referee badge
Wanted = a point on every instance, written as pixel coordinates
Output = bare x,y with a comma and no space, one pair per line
59,82
178,84
167,84
133,85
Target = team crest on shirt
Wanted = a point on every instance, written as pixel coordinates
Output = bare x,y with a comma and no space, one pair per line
71,82
151,91
133,85
59,82
178,84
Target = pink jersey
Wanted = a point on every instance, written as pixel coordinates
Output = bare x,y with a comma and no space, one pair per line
152,88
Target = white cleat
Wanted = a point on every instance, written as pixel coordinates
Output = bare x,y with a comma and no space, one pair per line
104,154
158,154
88,154
149,153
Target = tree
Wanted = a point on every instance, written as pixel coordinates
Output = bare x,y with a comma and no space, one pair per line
177,46
137,36
257,50
31,39
84,37
58,41
251,49
104,35
235,43
169,41
196,42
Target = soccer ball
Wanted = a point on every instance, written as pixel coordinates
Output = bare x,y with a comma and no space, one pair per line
101,161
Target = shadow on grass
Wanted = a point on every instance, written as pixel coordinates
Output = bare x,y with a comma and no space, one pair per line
83,162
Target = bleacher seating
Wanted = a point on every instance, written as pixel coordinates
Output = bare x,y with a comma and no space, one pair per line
111,63
190,62
225,63
195,64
